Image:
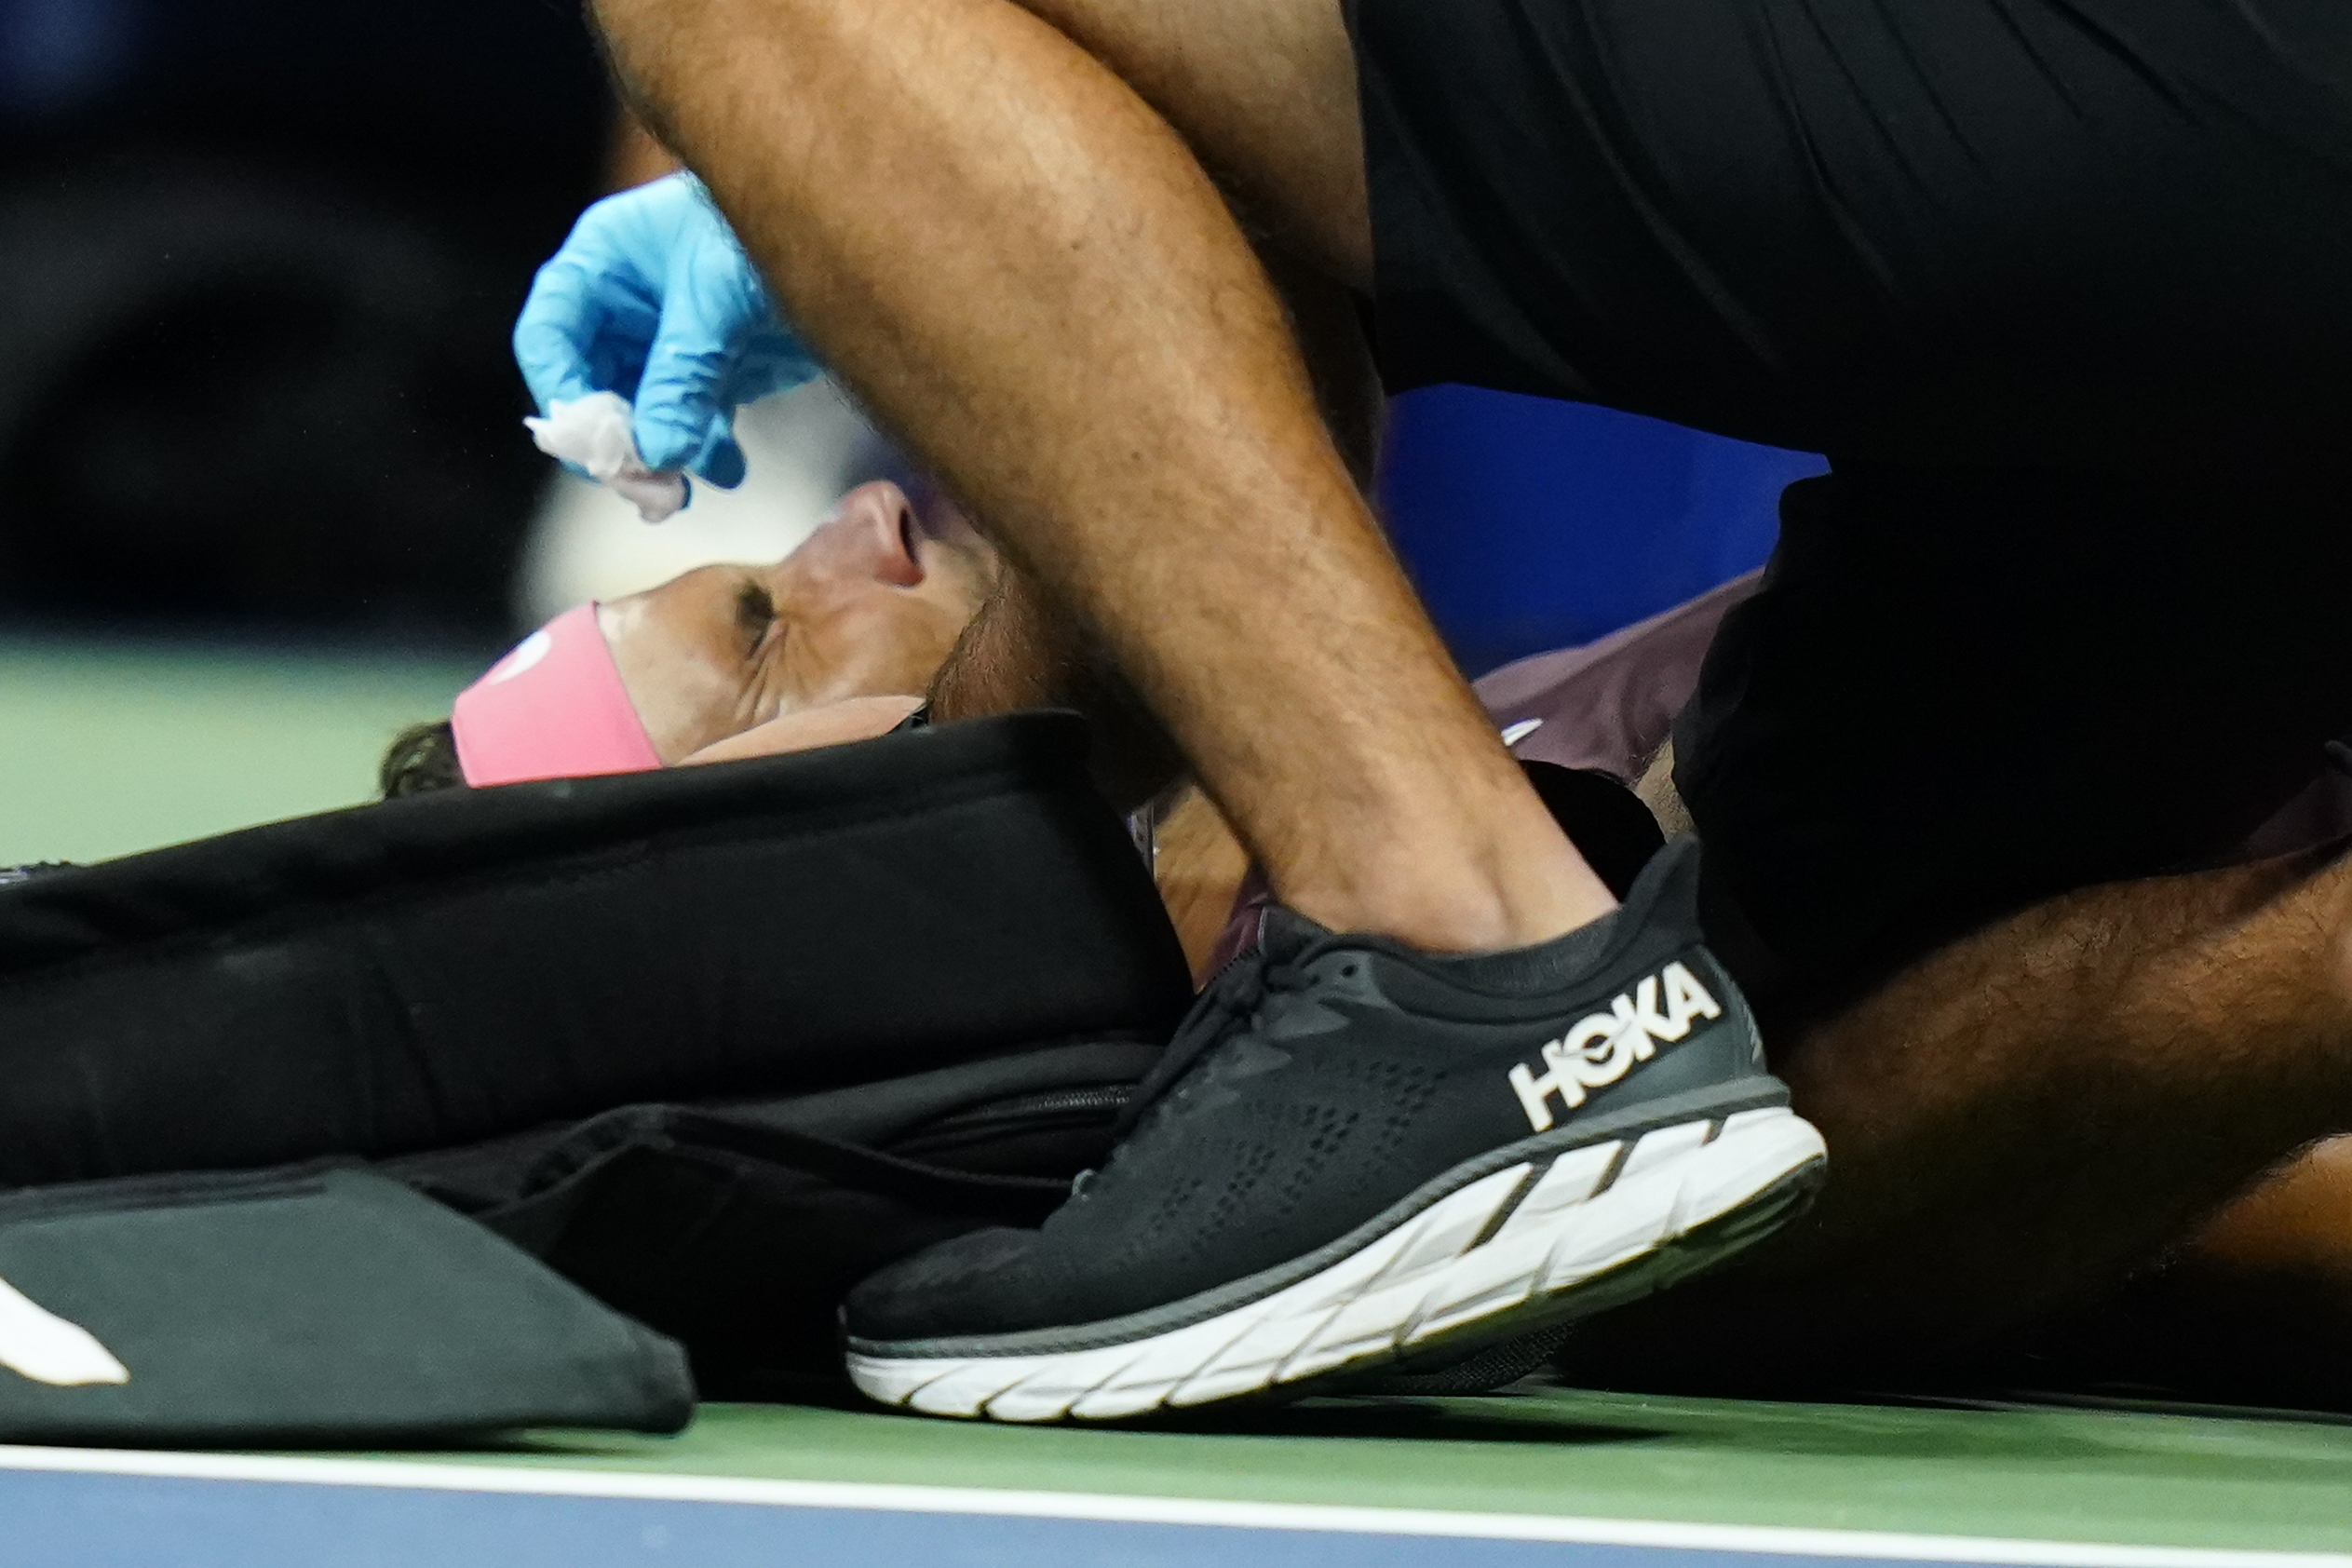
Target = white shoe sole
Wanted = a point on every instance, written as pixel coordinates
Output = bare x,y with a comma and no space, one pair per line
1597,1227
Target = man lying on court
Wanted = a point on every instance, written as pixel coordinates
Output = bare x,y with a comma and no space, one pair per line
2057,288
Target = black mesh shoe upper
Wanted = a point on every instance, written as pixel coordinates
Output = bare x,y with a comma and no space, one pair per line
1326,1077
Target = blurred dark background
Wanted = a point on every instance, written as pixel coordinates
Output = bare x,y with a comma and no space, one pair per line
258,263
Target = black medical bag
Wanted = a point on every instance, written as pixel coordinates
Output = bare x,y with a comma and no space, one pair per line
701,1046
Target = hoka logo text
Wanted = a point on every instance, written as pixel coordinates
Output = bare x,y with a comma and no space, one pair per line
1604,1047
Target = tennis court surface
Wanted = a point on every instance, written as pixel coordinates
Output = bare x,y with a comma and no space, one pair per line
1601,1481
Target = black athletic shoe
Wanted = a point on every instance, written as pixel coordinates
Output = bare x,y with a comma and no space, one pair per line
1355,1155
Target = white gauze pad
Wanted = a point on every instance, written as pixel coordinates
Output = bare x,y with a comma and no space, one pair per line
595,432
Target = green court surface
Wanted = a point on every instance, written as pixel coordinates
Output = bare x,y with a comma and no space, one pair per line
2135,1477
113,748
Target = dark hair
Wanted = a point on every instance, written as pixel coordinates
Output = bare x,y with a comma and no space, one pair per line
421,758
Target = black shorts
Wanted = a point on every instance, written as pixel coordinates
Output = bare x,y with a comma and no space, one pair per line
2064,287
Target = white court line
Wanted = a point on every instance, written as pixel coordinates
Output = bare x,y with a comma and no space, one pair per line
1120,1509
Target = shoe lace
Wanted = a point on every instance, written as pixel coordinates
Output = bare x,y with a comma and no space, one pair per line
1234,993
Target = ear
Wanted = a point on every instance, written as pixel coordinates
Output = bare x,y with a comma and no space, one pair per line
836,724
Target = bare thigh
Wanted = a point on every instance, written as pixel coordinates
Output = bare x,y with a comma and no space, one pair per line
1264,92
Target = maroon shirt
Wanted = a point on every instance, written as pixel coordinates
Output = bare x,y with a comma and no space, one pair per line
1609,705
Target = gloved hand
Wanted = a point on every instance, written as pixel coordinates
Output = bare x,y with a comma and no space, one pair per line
652,298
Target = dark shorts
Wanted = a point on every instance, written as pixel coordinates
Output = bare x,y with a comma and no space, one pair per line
2064,287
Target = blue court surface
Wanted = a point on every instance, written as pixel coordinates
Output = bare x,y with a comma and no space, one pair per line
1543,1477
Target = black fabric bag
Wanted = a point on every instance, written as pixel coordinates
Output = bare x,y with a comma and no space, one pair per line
738,1227
451,968
711,1044
333,1304
307,1306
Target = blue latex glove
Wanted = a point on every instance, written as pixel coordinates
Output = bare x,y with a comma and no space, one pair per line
651,297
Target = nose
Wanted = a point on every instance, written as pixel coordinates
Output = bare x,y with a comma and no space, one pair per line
879,530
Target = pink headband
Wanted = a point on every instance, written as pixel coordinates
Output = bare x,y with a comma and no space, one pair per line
553,708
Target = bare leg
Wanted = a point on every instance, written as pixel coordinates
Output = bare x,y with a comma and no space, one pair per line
1273,120
1021,651
2254,1311
2021,1118
2298,1220
1014,261
1339,361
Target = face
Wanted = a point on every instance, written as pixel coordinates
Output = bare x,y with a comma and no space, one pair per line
868,606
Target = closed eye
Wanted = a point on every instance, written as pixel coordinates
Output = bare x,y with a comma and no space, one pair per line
754,615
